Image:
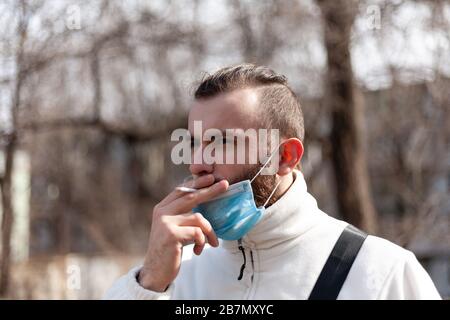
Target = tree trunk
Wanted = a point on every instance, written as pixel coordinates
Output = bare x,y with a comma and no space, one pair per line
7,206
8,217
348,154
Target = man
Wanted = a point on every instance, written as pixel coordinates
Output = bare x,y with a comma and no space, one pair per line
284,254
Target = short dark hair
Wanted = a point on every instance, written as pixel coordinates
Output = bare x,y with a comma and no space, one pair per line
280,105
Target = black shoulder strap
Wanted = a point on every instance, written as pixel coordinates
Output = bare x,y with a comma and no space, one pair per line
338,265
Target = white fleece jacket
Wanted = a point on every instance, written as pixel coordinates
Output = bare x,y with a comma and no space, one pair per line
285,253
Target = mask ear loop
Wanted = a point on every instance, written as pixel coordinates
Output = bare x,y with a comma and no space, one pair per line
270,196
265,164
262,168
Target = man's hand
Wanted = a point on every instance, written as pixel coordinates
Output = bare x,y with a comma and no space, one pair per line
174,225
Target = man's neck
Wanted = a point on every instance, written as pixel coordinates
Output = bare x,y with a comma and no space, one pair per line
285,184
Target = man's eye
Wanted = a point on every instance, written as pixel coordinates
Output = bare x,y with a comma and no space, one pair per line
194,144
225,142
221,140
215,139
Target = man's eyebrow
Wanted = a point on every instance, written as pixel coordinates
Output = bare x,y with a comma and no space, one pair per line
228,133
233,132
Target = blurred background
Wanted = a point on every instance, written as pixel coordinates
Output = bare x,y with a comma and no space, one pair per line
90,92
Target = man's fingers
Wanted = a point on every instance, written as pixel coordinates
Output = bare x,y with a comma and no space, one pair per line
197,220
206,194
198,183
189,235
190,200
201,182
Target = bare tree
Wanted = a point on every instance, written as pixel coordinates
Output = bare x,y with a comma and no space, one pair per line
11,143
26,120
93,109
348,154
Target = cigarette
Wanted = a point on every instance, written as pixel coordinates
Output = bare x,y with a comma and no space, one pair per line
185,189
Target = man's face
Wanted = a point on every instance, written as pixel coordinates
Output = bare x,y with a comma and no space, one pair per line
237,109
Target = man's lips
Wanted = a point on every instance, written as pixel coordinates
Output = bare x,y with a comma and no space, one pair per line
217,178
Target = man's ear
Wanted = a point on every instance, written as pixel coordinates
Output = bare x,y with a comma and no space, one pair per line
290,155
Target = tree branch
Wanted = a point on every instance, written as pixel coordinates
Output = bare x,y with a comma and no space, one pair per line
127,133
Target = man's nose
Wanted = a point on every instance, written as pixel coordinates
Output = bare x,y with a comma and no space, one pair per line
200,169
198,166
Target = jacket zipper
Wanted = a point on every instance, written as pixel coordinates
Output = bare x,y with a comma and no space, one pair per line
253,265
241,273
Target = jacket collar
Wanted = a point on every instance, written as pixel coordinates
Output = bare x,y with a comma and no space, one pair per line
289,217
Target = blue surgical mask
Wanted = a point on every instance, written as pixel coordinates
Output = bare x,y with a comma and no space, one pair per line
234,213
